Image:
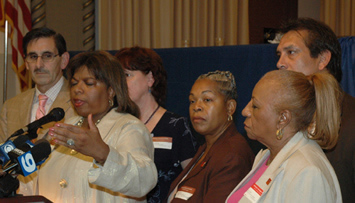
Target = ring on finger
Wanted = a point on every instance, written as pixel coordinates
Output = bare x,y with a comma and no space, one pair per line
70,142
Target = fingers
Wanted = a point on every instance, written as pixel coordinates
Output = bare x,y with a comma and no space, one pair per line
61,132
92,125
87,141
72,128
90,122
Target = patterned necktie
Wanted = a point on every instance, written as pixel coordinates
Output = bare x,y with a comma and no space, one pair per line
41,106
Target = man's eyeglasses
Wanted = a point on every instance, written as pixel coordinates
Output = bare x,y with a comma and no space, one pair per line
46,57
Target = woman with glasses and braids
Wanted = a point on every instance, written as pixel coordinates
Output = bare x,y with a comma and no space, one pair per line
226,157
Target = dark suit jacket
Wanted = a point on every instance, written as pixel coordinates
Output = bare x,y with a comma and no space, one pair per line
228,161
16,112
342,157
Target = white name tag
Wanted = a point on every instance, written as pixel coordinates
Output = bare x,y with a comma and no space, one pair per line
163,142
254,193
185,192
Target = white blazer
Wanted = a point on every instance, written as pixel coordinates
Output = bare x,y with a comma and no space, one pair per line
299,173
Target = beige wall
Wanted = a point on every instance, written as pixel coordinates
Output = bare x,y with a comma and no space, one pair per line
309,8
65,17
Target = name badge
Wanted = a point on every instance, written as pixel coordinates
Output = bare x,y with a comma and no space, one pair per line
163,142
254,193
185,192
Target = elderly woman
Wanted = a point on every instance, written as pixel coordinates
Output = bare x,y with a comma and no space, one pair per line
173,143
284,107
226,157
105,154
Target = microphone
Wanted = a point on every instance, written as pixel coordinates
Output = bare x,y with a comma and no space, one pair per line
56,114
21,142
25,163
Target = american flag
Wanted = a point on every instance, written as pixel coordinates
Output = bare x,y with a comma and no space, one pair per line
18,14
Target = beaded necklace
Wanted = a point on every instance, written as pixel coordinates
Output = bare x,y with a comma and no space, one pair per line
81,121
79,124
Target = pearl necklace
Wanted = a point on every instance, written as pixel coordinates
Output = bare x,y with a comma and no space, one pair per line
81,121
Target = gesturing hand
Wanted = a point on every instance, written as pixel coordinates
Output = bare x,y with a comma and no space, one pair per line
87,141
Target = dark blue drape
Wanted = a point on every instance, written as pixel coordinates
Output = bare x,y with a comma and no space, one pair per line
348,64
248,63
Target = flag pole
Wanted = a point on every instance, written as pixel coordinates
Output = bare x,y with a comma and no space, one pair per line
4,97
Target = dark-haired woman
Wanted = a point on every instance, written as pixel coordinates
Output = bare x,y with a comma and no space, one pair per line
173,141
105,154
226,157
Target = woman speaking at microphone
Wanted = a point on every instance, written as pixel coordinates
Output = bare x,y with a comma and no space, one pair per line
105,154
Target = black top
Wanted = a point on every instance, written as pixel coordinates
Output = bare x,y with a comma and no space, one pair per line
173,143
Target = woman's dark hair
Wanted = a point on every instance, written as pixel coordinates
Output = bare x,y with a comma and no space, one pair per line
106,68
146,60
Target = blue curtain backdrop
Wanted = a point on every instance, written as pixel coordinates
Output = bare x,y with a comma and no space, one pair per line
248,63
348,64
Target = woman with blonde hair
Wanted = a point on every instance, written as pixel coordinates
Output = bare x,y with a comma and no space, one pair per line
294,116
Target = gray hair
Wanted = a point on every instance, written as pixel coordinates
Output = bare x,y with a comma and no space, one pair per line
225,81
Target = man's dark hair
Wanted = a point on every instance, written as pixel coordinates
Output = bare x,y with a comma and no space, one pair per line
45,32
320,38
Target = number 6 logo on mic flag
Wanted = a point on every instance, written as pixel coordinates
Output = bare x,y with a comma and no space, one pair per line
27,163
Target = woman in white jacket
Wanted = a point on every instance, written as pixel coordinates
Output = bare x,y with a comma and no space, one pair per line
294,116
105,154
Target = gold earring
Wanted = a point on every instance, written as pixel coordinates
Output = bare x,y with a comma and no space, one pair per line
110,102
279,134
230,118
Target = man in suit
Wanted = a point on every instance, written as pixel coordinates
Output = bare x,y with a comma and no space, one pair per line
46,57
309,46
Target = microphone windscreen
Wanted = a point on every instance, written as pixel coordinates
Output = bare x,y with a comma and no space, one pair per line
20,140
57,114
41,150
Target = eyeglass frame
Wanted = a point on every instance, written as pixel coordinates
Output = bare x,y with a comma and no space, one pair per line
37,56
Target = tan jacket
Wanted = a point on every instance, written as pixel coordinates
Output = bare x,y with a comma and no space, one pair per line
16,112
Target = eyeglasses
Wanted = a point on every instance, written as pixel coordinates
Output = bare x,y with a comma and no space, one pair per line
46,57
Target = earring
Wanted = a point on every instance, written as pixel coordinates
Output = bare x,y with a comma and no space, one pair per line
110,102
279,134
311,130
149,89
230,118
